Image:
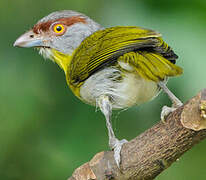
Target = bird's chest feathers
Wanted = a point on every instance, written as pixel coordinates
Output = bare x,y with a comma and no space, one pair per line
124,87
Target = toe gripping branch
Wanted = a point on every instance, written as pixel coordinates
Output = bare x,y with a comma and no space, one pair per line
153,151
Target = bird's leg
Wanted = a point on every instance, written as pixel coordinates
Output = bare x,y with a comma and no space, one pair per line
175,101
106,107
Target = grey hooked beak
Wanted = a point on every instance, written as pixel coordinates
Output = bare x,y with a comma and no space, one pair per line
29,39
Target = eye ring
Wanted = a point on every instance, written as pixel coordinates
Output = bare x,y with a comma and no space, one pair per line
58,28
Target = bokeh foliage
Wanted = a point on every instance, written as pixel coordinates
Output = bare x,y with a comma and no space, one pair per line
45,132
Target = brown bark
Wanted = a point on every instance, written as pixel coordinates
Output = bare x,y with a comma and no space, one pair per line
153,151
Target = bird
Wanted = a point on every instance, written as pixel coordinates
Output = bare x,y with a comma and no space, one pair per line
110,68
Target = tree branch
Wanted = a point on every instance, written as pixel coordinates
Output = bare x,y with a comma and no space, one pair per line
147,155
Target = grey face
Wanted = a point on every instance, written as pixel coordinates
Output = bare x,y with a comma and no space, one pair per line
61,30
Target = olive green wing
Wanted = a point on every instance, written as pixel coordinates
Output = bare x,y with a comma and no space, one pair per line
104,47
150,65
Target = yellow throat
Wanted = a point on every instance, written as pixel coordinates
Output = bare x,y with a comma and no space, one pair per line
64,61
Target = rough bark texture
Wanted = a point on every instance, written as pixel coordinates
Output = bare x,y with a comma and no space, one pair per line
153,151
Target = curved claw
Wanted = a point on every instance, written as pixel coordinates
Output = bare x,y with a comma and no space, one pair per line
117,150
166,111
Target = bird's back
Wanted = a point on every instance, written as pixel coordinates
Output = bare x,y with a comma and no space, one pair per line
140,51
105,47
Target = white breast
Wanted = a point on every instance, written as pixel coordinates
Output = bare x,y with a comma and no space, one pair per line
126,89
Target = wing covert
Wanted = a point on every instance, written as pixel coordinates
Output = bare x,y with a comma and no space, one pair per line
103,48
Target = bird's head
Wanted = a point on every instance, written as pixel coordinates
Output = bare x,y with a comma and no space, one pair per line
58,34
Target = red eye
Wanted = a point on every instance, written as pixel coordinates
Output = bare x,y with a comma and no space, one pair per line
59,29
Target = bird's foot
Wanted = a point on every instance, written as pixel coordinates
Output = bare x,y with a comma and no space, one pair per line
166,111
116,146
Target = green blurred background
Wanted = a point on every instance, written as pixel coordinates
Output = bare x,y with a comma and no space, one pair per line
46,132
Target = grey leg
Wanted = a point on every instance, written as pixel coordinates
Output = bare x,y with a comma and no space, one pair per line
175,101
106,107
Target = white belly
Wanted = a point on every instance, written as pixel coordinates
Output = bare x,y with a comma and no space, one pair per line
125,90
